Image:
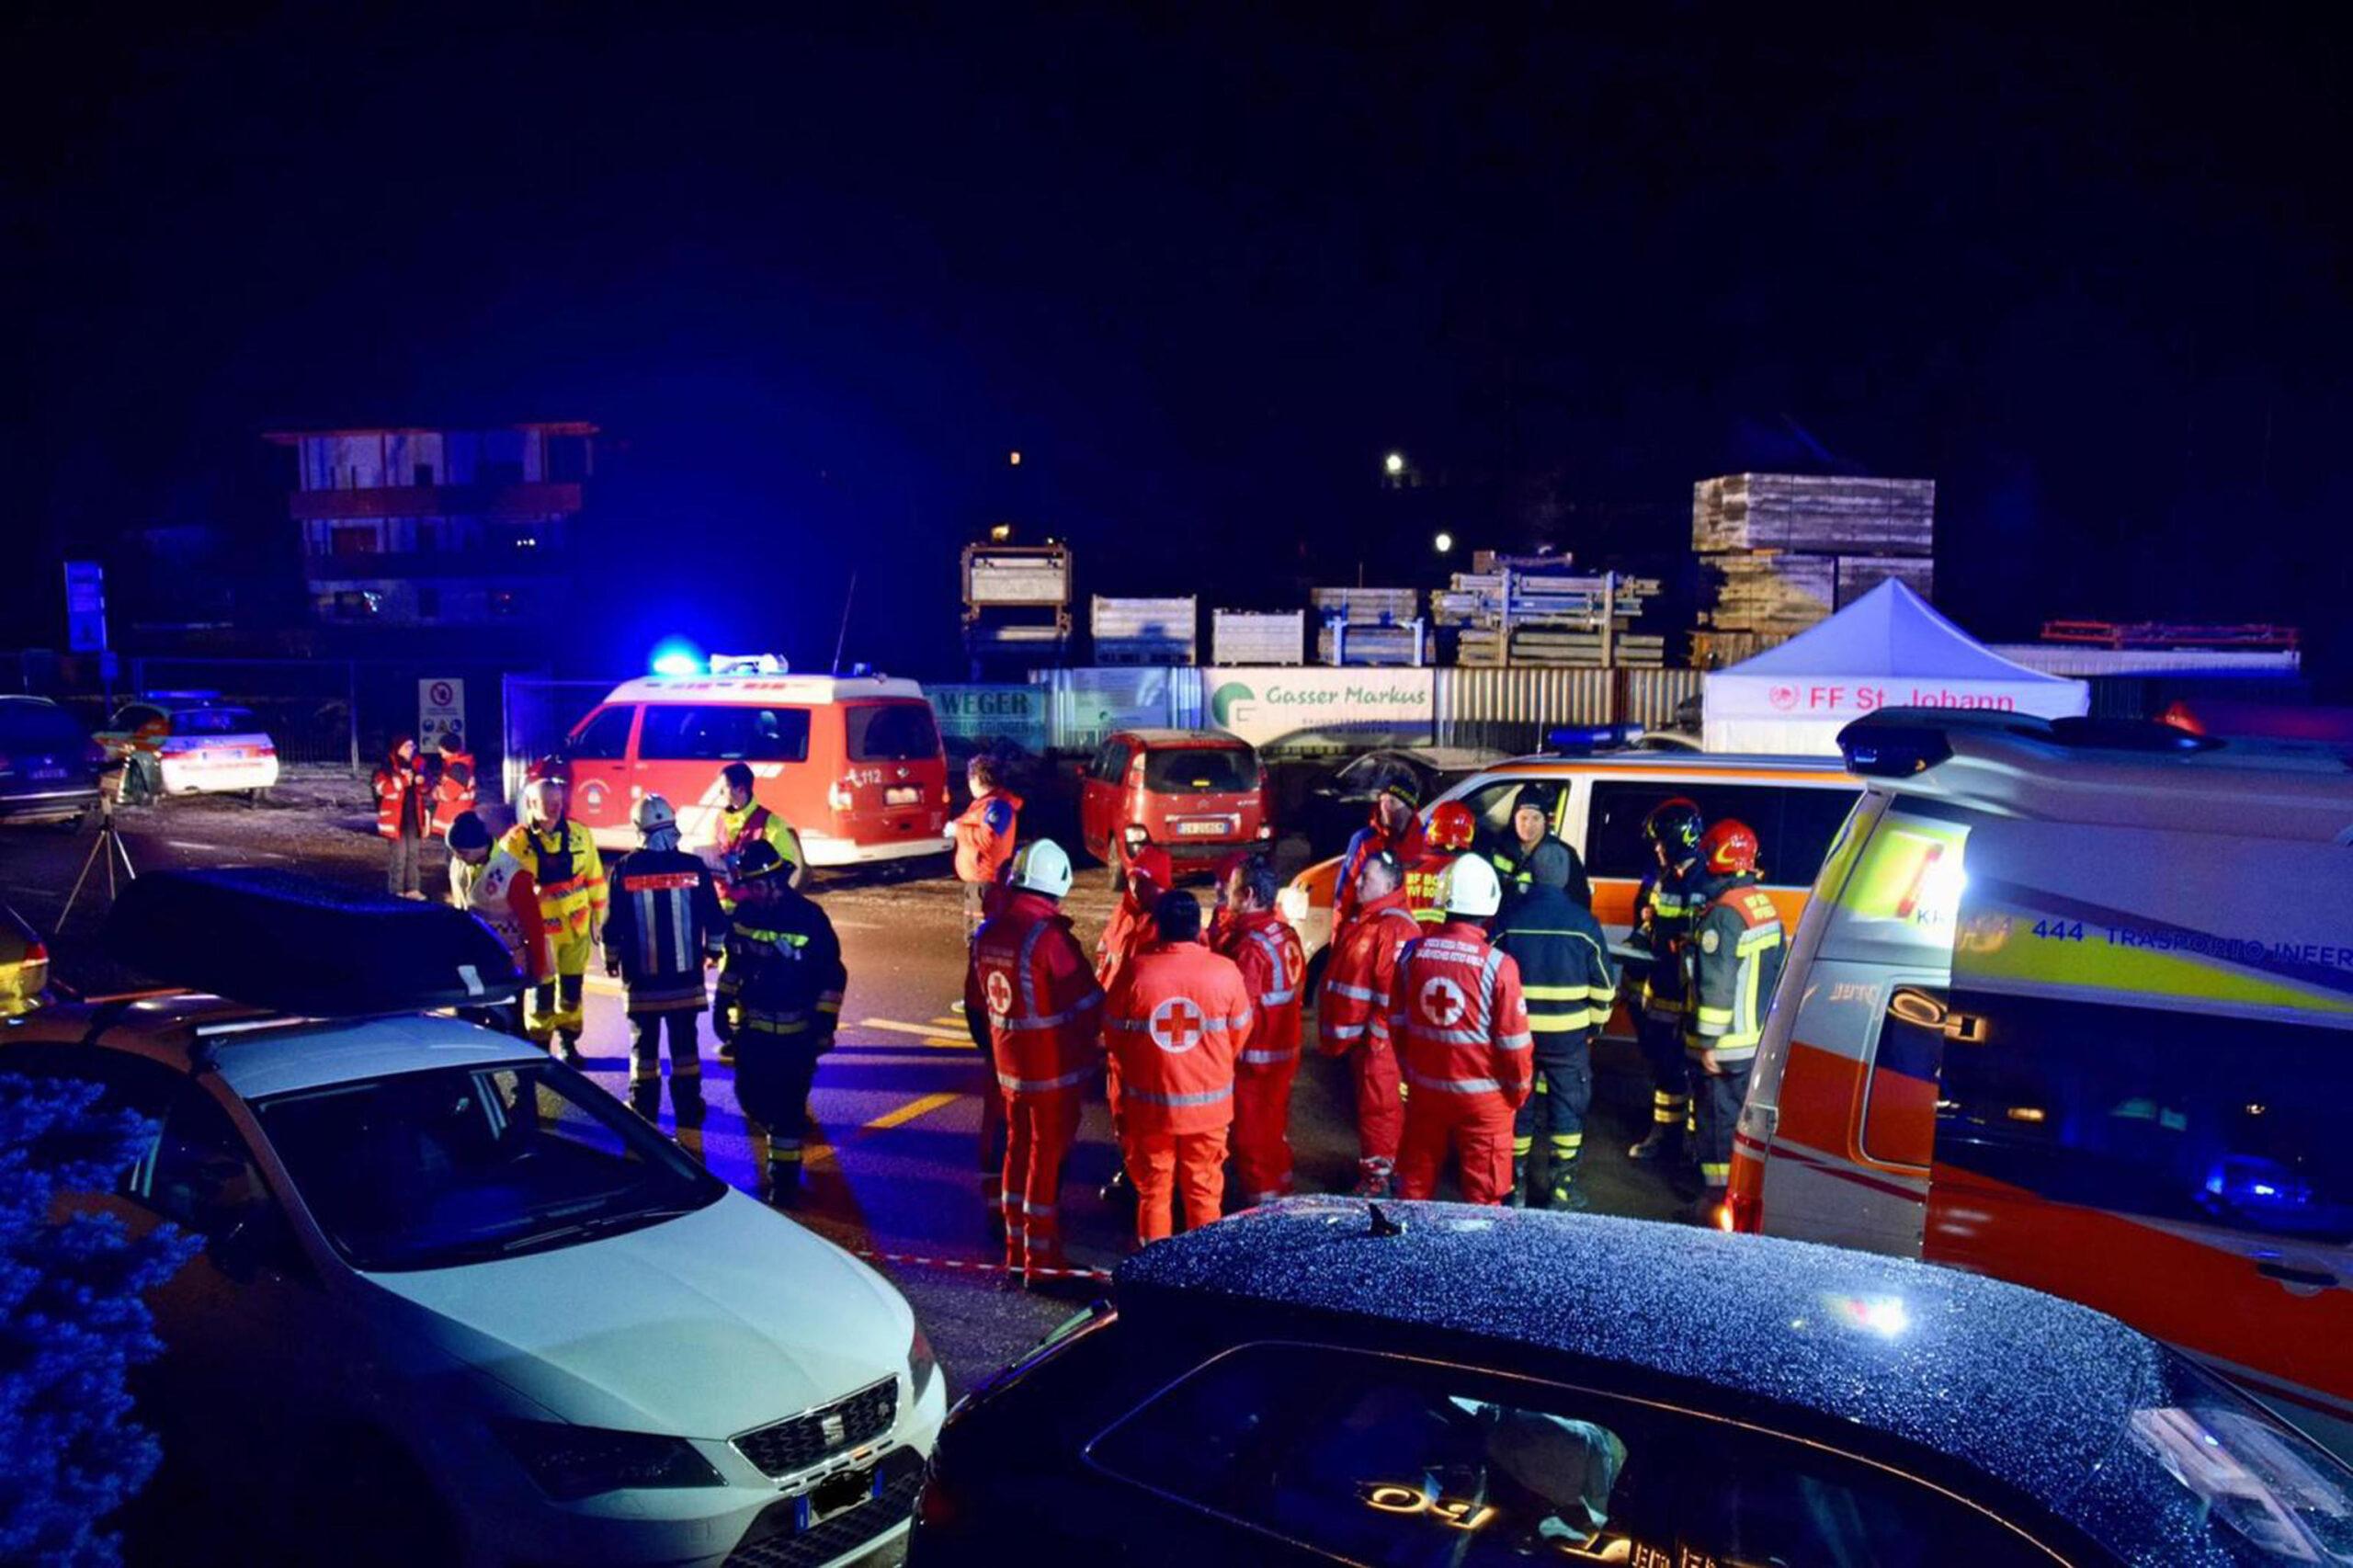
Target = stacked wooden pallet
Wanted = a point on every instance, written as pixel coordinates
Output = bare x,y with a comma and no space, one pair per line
1786,551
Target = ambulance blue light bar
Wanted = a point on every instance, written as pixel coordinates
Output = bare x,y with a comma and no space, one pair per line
676,656
1579,738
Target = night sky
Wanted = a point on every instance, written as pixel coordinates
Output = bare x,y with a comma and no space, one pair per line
1202,267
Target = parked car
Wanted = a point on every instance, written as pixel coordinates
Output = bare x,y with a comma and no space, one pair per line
1322,1381
190,743
48,767
1340,801
1200,794
2049,1018
852,763
456,1303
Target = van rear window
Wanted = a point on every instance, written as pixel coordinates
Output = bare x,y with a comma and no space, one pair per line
2177,1116
892,732
717,733
1201,770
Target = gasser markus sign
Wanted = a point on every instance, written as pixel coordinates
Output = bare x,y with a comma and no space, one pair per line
1305,709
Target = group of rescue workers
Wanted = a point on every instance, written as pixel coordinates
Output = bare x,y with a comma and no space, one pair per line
1463,989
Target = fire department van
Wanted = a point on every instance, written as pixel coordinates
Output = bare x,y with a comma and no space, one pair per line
1794,803
2073,1005
852,763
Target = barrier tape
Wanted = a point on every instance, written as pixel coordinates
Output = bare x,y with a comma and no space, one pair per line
976,1266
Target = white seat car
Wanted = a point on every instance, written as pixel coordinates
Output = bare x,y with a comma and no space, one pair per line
190,743
458,1304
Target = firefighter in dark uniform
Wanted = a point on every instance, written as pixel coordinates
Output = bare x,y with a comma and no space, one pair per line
663,928
1531,828
1733,959
1566,978
1664,906
779,1001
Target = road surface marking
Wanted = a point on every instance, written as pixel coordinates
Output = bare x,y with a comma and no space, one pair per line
184,844
909,1111
926,1030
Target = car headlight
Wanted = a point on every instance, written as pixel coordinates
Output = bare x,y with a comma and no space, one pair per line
571,1462
923,1365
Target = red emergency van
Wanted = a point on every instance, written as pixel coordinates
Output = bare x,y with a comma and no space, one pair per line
852,763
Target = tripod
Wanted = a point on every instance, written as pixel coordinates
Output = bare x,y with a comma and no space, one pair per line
108,847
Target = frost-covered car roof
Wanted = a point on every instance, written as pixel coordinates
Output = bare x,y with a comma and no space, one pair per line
2034,1392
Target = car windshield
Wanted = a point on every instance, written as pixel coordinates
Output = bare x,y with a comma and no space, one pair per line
1201,770
38,726
424,1170
2252,1489
215,721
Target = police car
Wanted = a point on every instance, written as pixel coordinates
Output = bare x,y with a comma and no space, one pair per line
190,743
1325,1381
456,1303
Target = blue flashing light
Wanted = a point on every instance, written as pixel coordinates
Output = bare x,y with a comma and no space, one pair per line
676,656
1579,738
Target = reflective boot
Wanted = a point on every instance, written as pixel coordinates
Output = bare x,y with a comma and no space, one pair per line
784,1173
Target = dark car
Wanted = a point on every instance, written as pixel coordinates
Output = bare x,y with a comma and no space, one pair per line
1318,1381
1340,801
48,766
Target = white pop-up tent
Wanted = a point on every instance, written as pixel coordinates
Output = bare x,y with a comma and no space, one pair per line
1886,649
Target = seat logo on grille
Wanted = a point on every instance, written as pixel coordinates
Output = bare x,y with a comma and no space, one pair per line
834,1428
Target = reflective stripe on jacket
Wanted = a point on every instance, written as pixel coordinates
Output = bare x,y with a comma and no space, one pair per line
1665,905
782,974
1031,980
569,872
986,835
1565,971
1456,1017
1274,966
1736,957
1175,1022
665,922
1353,1009
1371,839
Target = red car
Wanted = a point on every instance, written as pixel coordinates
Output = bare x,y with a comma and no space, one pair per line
1200,794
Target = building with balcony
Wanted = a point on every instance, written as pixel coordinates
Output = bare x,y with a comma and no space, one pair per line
414,528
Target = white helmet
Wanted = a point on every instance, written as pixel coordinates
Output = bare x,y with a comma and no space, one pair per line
1470,887
544,801
652,814
1041,867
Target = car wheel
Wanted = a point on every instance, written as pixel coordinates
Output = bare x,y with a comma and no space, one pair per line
256,797
72,825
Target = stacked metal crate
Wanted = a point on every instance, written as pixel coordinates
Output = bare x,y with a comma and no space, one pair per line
1541,610
1368,626
1786,551
1146,631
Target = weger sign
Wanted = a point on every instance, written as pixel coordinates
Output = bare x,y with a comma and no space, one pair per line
1787,698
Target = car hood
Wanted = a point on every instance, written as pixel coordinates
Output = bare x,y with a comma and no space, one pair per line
702,1326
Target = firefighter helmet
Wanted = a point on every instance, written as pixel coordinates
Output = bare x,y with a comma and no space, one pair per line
1674,826
759,859
652,814
544,801
1452,827
1729,847
1470,887
1041,867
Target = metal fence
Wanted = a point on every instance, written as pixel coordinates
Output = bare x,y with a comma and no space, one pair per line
1513,709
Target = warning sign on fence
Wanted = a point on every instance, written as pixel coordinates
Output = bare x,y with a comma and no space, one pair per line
441,711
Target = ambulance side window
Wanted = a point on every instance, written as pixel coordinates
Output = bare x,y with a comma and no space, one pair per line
724,733
604,738
2182,1116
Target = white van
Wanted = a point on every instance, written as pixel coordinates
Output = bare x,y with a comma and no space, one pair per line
2073,1005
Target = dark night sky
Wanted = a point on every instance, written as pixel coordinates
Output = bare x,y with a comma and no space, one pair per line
1202,266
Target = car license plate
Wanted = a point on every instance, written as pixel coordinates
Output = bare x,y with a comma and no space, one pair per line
48,774
837,1495
902,795
1200,829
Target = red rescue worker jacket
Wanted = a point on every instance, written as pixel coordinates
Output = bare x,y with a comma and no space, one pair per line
404,798
1174,1023
1032,982
1422,885
986,834
1457,1018
1274,966
1131,925
1408,847
1354,1008
454,789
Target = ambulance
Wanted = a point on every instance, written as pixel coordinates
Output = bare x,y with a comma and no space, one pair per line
852,762
1796,805
2073,1005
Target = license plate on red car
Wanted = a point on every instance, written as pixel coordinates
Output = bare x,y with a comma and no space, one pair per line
1200,829
902,795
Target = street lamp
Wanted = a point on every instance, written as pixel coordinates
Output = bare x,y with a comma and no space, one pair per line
1445,542
1393,465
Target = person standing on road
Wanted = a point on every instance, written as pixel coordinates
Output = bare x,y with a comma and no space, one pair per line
489,883
1030,979
1353,1016
986,835
1394,830
1175,1017
455,787
1264,947
1452,831
743,821
665,927
403,815
1664,906
1462,1040
1734,960
779,999
1129,929
1566,980
570,875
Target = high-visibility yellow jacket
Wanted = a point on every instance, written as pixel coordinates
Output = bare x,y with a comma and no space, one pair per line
570,875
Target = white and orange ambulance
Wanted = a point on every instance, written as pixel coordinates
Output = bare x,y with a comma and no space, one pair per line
852,762
2073,1005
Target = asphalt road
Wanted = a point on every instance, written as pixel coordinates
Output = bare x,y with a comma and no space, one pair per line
897,1103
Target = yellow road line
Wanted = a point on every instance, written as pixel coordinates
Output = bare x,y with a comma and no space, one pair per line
923,1106
897,1027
